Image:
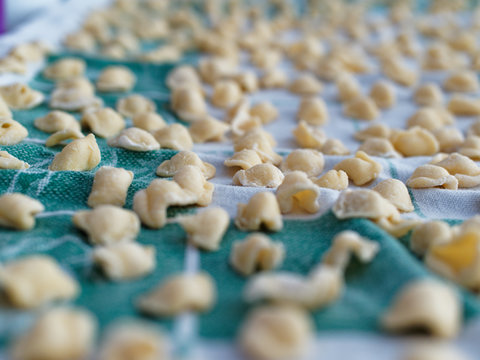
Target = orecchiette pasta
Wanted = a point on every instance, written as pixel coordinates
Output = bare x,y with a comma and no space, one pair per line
309,161
183,76
274,332
226,93
104,122
134,139
428,176
426,118
20,96
80,155
415,141
449,138
260,141
174,137
65,68
261,210
429,234
462,105
56,121
425,304
4,110
75,94
208,129
471,147
428,94
396,192
149,121
465,170
10,64
274,78
108,224
309,137
125,260
11,132
298,191
245,159
332,179
116,79
135,104
383,94
257,251
361,169
110,186
18,211
334,147
397,71
261,175
34,281
348,87
206,229
57,334
62,135
189,104
462,81
361,108
313,111
248,81
305,85
183,158
180,293
379,147
8,161
265,111
374,131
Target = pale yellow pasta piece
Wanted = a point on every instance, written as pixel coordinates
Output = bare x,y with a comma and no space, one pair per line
462,105
188,103
261,175
125,260
56,121
181,159
248,81
305,85
273,79
66,134
415,141
215,68
134,139
426,304
462,81
116,79
313,111
245,159
10,64
18,211
65,68
30,51
364,203
226,93
74,95
433,351
396,70
4,110
332,179
276,332
344,245
262,210
80,155
374,131
8,161
134,340
265,111
191,179
208,129
36,280
329,68
57,334
465,170
334,147
180,293
309,137
80,41
135,104
108,224
396,192
474,129
11,132
361,169
361,108
241,121
429,176
114,51
428,94
379,147
257,251
449,138
307,160
397,227
183,76
426,118
348,87
266,59
21,97
471,147
383,94
297,191
206,229
110,186
174,136
260,141
149,121
104,122
429,234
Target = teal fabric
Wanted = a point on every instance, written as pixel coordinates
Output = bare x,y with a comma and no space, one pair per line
369,287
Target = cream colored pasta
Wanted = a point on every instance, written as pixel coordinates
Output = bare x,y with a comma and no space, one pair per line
462,105
135,104
374,131
348,87
10,64
461,81
274,78
361,169
56,121
8,161
398,71
429,234
134,139
262,210
36,280
184,158
11,132
396,192
18,211
261,175
244,159
62,135
104,122
149,121
465,170
332,179
74,95
257,251
226,93
265,111
313,111
125,260
21,97
248,81
260,141
305,85
65,68
57,334
449,138
215,68
80,41
415,141
309,161
188,103
274,332
174,136
309,137
426,118
208,129
116,79
425,304
180,293
334,147
297,191
429,176
379,147
471,147
80,155
207,228
361,108
383,94
4,110
110,186
428,94
266,59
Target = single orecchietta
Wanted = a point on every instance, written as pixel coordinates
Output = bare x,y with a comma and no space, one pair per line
79,155
226,93
261,175
174,136
461,81
309,137
428,94
134,139
257,251
104,122
429,176
332,179
313,111
206,228
65,68
188,103
348,87
379,147
20,96
149,121
179,293
244,159
183,158
298,192
18,211
305,85
429,234
415,141
262,210
208,129
11,132
116,79
56,121
374,131
361,108
108,224
463,105
396,192
361,169
110,186
135,104
260,141
66,134
383,94
8,161
265,111
309,161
